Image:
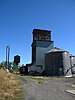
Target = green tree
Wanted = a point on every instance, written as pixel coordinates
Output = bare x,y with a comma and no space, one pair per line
3,65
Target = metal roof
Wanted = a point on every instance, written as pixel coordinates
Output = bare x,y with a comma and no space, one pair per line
55,49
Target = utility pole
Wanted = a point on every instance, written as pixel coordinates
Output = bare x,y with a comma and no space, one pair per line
7,57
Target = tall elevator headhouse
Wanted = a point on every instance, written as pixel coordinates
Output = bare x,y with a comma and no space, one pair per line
41,44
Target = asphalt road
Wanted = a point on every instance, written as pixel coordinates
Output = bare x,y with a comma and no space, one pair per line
50,89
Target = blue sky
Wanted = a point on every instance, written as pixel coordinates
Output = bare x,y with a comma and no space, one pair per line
19,17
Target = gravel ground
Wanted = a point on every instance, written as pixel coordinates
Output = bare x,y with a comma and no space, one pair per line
50,89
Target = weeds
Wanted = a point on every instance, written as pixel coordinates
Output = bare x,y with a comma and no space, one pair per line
10,87
39,79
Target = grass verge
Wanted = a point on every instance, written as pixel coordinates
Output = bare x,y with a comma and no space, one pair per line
10,87
39,79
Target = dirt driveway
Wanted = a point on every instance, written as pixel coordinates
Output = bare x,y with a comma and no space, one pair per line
46,88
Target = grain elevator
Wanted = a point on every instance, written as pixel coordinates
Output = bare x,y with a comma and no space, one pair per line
47,59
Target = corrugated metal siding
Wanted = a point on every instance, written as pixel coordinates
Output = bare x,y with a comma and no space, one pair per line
53,64
43,44
66,63
57,63
72,59
40,52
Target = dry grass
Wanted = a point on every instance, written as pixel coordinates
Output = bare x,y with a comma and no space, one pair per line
39,79
10,87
